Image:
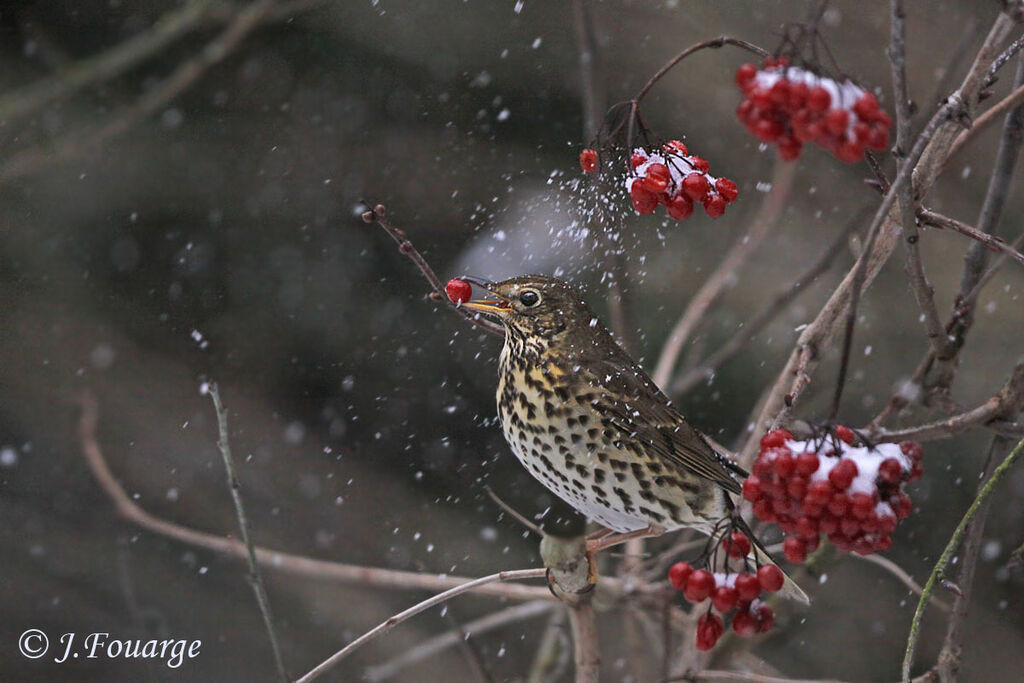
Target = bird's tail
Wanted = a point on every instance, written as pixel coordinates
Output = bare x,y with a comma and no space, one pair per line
789,589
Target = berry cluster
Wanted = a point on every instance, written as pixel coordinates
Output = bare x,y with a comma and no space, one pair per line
736,593
671,177
854,495
458,291
788,106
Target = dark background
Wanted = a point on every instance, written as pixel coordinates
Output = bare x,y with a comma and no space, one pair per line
362,414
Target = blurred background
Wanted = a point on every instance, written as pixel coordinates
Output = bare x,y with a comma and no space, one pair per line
196,216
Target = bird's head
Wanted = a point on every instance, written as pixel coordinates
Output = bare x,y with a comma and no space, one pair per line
534,306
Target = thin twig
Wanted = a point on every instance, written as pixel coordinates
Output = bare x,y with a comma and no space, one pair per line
746,677
512,512
391,622
106,65
744,247
430,647
901,574
989,117
950,549
949,656
989,241
298,565
244,527
379,215
248,18
765,315
898,62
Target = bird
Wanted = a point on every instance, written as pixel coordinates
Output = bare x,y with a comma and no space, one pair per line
587,421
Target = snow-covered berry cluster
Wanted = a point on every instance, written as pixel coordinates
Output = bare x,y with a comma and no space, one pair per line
671,176
852,494
735,594
788,106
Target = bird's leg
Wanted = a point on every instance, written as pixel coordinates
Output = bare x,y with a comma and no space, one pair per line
597,542
600,533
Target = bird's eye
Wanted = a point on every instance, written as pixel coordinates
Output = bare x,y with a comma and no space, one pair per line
529,298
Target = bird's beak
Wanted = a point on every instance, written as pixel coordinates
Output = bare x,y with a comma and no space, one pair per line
495,306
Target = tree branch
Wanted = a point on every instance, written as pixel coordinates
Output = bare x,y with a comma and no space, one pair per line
947,554
244,527
989,241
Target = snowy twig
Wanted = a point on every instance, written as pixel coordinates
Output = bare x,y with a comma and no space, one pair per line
766,314
772,205
950,549
989,241
246,19
429,648
244,527
391,622
379,216
298,565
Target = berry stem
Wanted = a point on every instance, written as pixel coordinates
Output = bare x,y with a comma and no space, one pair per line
947,554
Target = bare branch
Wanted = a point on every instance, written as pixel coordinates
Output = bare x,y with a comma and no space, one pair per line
947,553
298,565
988,118
379,216
989,241
432,646
898,571
244,527
391,622
744,247
766,314
898,64
583,623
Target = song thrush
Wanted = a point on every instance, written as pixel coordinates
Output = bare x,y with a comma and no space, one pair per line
587,421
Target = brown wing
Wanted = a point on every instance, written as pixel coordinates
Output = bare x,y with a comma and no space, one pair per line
637,408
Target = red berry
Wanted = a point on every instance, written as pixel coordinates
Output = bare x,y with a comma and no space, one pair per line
877,139
798,93
763,510
796,487
737,543
765,619
783,465
709,630
696,186
776,438
849,527
790,148
779,92
714,206
700,164
459,291
636,160
658,177
643,201
752,488
839,505
843,474
807,463
699,585
845,434
676,146
588,160
818,99
768,130
678,575
727,189
850,152
883,543
679,207
744,623
861,505
866,107
748,587
836,121
725,598
760,97
807,526
819,492
745,74
770,577
745,112
912,450
886,524
795,549
901,505
890,471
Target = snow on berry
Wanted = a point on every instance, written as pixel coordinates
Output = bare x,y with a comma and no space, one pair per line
852,494
673,177
789,106
459,291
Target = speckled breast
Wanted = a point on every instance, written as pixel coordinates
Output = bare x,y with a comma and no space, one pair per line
558,435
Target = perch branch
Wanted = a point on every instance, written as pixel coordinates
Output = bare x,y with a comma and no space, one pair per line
379,216
244,527
583,624
950,549
391,622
